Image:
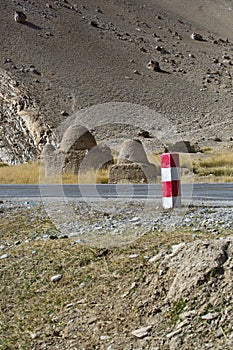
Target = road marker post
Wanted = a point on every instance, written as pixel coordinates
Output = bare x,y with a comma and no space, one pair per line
171,188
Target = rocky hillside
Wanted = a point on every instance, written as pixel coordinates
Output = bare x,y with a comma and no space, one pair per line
71,55
23,131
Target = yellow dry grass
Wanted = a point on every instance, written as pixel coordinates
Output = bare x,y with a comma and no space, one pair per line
203,168
215,167
32,173
20,174
218,160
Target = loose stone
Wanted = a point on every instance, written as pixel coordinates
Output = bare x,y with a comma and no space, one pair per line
56,278
142,332
4,256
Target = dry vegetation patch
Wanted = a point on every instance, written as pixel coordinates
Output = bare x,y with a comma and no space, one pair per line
216,167
30,173
102,296
206,167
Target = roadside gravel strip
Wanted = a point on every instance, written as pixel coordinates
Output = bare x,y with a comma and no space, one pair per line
114,222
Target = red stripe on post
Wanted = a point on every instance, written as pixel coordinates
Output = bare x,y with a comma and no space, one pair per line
171,188
170,160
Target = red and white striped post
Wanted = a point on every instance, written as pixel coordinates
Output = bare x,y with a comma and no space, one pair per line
170,172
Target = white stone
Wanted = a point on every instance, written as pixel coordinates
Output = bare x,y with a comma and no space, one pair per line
4,256
104,337
133,256
56,278
155,258
135,219
142,332
210,316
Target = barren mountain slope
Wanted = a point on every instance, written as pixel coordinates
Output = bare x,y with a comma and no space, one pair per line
75,54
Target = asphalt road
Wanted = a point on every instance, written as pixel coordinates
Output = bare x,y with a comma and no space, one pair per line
195,192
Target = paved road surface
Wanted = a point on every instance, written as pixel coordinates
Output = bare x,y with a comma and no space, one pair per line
195,192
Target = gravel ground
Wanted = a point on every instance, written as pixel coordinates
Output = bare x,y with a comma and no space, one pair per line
117,222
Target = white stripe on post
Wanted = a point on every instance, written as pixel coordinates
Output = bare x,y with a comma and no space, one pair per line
170,172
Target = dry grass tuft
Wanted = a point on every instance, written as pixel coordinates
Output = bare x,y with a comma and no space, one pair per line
218,160
203,168
32,173
92,177
218,167
20,174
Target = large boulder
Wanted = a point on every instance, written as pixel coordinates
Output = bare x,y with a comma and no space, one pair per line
183,147
192,265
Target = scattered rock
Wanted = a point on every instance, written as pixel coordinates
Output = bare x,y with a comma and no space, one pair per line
144,133
196,36
93,24
210,316
34,70
20,17
4,256
219,333
173,333
64,113
7,60
161,49
104,337
56,278
217,139
135,219
188,314
53,237
142,332
49,6
175,343
154,65
133,256
98,10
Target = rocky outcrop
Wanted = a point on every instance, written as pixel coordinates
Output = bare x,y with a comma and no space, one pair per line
22,130
191,265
